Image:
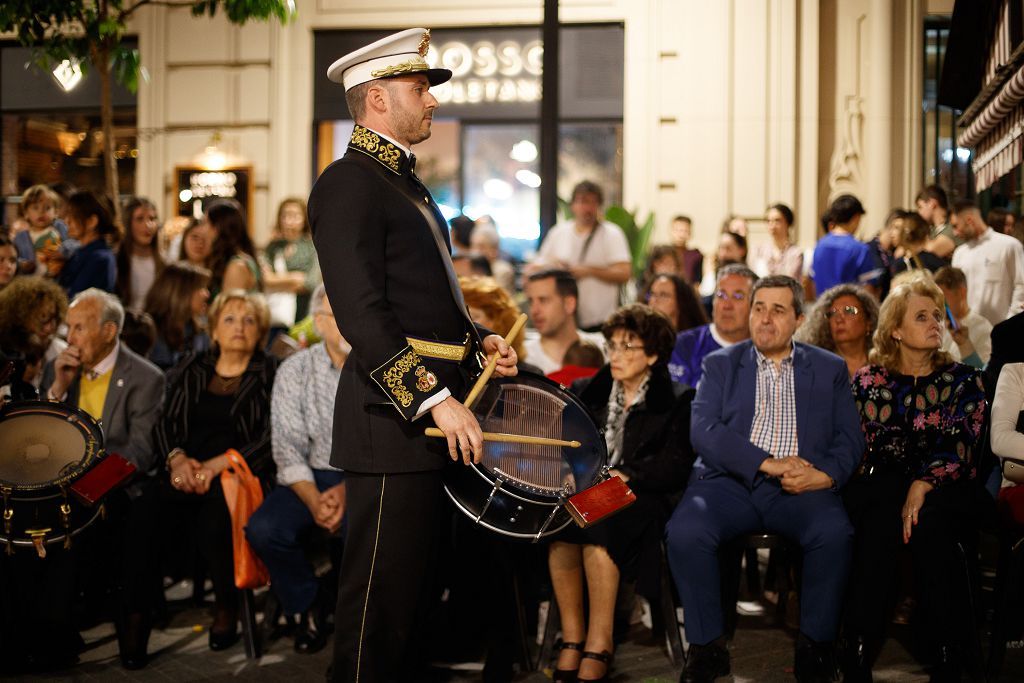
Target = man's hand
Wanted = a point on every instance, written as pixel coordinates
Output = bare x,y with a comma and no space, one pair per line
961,335
65,368
777,467
803,479
912,506
461,427
507,358
331,508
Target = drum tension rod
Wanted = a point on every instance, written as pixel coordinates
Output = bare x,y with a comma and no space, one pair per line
562,497
65,518
8,519
498,481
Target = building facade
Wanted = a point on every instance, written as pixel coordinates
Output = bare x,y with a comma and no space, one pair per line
726,106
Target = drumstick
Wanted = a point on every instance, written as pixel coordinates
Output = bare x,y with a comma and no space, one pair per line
492,363
513,438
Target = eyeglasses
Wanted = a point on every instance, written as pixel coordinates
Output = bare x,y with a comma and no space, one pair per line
735,296
845,311
611,348
661,296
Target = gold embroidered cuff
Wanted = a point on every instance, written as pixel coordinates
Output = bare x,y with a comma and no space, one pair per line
406,381
429,348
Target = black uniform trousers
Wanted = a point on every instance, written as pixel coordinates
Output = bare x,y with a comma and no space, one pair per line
874,504
387,575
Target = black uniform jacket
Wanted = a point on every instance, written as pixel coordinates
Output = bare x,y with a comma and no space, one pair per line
386,282
656,451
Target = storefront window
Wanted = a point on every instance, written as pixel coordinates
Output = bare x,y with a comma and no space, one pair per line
52,133
944,164
482,157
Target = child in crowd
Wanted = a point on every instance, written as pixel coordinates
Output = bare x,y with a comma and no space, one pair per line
8,261
39,247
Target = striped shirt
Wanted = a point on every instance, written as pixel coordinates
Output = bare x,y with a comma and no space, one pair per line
774,425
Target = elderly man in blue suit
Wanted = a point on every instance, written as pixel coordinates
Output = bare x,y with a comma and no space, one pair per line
778,435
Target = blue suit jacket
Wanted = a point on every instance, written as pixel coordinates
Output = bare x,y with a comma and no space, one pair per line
828,424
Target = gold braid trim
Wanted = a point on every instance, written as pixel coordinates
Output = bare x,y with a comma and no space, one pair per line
411,66
369,142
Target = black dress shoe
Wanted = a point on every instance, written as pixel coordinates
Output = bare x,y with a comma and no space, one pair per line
856,662
310,634
815,662
948,667
705,663
567,675
222,641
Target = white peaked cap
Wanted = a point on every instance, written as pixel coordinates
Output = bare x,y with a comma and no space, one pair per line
399,54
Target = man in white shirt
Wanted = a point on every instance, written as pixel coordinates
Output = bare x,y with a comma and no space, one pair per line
594,251
970,341
992,262
552,295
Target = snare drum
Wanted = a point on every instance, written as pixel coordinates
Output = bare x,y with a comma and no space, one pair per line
44,447
520,490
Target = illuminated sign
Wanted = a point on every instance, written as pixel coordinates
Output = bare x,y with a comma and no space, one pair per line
197,187
485,71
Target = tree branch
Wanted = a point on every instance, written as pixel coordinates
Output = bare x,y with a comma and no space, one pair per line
128,11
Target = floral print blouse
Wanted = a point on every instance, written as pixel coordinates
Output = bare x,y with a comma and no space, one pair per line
927,427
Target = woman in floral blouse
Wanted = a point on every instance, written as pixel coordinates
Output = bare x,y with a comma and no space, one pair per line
922,416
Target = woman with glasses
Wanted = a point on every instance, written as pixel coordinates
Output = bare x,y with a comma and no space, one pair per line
922,416
668,294
843,322
645,420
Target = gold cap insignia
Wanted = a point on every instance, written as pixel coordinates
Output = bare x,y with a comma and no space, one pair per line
424,43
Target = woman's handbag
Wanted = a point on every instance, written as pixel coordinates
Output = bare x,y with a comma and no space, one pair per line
243,494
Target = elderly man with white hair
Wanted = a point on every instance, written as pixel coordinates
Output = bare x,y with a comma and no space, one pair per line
310,492
484,240
106,379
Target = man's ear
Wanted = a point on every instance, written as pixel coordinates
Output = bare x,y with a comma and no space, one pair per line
571,307
378,98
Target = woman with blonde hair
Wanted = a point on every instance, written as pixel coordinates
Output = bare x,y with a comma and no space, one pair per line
492,306
216,401
922,416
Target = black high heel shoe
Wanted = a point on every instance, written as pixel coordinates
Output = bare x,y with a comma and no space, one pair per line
603,656
567,675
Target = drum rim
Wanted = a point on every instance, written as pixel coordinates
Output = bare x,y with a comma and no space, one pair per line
90,429
504,532
22,542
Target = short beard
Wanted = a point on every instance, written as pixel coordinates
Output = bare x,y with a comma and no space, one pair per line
405,124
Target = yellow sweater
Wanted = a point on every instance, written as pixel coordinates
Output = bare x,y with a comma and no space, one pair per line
92,393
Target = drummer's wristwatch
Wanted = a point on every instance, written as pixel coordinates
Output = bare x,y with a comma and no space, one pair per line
175,452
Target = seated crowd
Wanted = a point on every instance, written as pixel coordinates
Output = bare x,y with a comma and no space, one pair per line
839,399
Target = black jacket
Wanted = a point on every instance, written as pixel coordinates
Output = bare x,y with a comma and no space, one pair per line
656,451
250,412
386,280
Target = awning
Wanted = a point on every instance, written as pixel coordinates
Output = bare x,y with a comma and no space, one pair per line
999,150
992,123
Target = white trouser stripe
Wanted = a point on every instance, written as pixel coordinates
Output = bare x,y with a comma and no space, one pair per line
373,561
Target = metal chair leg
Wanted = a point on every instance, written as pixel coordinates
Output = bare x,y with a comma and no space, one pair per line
250,632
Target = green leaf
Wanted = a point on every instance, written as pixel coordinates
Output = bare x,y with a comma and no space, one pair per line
125,63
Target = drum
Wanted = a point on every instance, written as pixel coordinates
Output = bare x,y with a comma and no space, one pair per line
517,489
44,447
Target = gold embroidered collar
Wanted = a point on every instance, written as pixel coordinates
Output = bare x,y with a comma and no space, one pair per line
376,147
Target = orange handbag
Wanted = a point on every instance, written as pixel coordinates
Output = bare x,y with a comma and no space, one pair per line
243,494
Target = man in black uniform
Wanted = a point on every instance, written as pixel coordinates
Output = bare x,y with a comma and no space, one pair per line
384,251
